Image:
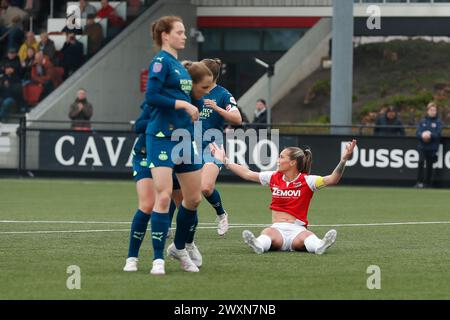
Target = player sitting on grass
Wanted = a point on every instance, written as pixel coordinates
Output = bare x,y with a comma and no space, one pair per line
292,189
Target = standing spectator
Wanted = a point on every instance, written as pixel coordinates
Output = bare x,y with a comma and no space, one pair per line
10,82
260,113
32,7
45,73
94,32
86,9
11,22
30,42
389,118
47,47
81,112
72,55
115,22
429,134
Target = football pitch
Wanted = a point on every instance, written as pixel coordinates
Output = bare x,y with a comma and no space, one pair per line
47,225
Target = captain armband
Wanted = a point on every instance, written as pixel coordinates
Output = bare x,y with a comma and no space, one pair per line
319,183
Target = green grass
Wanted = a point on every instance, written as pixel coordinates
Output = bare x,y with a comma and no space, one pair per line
414,259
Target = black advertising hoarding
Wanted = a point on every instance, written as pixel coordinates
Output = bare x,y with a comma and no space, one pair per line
375,158
85,151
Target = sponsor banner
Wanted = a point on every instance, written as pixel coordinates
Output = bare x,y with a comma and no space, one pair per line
375,158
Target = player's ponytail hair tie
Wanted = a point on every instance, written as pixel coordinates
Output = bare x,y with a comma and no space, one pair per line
303,158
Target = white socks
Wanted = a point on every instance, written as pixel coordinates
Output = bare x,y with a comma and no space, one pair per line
312,243
264,241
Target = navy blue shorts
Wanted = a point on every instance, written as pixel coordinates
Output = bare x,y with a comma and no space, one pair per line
141,170
182,157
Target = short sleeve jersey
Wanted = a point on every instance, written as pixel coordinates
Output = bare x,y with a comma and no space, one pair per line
211,119
291,197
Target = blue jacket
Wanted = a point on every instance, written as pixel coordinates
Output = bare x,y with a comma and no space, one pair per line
434,125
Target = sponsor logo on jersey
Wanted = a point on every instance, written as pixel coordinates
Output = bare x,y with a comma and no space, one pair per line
177,72
186,85
285,193
159,58
157,67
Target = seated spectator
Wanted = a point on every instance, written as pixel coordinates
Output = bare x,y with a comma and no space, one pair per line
10,82
86,9
428,132
94,32
30,42
134,8
115,22
47,47
45,73
72,55
11,23
389,124
81,112
27,64
260,113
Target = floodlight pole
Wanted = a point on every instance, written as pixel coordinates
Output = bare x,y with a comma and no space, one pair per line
270,68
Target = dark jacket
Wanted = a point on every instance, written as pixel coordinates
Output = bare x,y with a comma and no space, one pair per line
434,125
396,128
84,114
261,118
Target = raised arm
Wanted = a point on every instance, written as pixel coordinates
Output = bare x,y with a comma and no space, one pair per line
337,173
243,172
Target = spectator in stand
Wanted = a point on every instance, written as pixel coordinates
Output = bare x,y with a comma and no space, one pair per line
134,7
10,82
11,23
32,7
30,42
72,55
115,22
45,73
260,113
86,9
47,47
27,65
429,134
94,32
389,124
81,112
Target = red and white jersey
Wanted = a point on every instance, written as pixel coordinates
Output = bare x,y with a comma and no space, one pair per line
292,197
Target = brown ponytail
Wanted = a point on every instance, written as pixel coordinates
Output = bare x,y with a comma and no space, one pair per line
197,70
303,158
214,65
163,24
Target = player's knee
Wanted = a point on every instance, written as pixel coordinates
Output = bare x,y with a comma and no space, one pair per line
207,189
163,199
146,206
193,201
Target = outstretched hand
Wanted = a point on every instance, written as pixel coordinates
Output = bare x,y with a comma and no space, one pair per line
349,150
218,153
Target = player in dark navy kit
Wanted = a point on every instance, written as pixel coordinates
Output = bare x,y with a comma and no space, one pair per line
169,96
219,106
292,189
144,188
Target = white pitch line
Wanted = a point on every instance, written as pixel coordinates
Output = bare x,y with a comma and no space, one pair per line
235,226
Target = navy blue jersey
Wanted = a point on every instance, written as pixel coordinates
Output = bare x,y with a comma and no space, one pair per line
211,119
168,81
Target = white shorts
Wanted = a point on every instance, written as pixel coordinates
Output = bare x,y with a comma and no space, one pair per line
288,231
